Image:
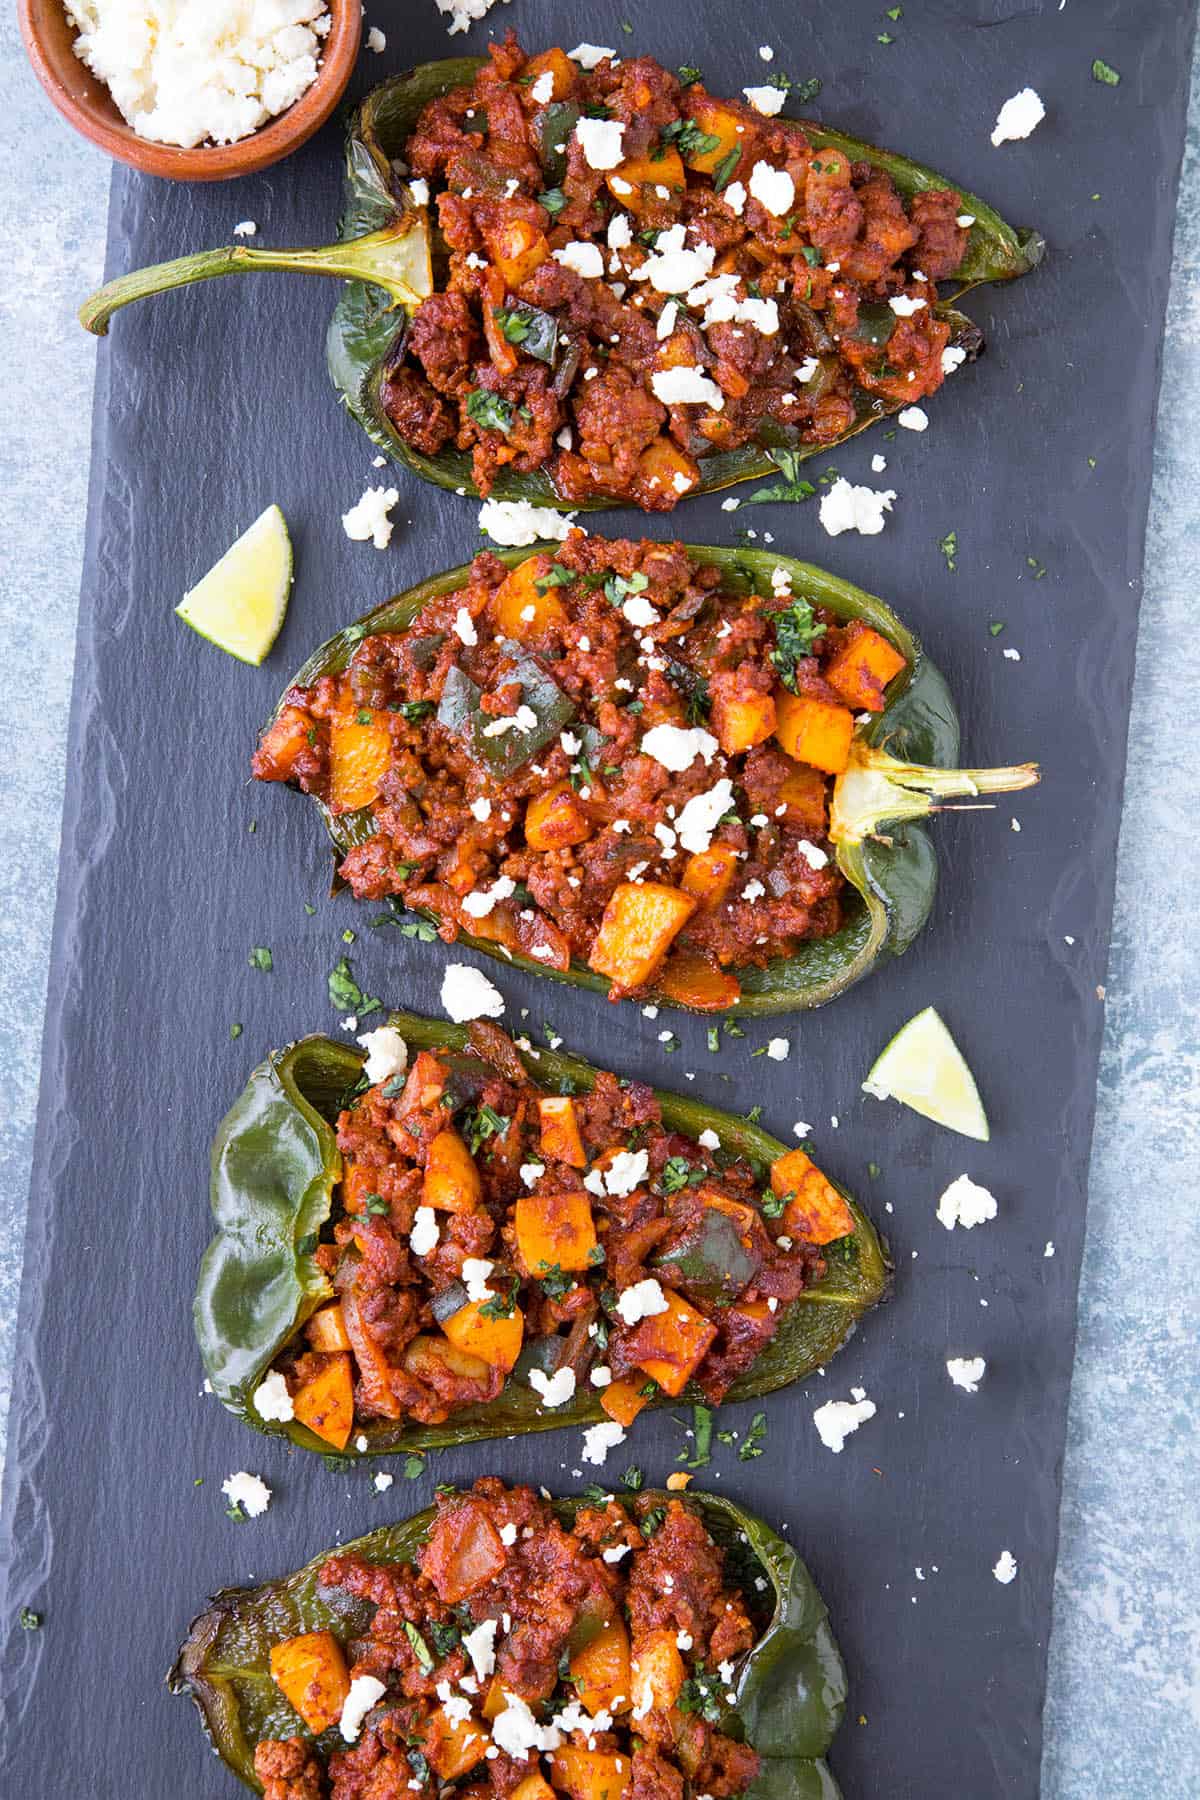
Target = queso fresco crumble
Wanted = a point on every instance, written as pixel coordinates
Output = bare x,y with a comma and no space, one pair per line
188,72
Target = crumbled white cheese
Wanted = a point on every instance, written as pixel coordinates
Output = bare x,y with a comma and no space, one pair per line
966,1372
598,1440
588,55
556,1389
913,418
807,369
837,1419
425,1233
967,1204
676,747
773,188
368,517
814,856
480,1645
904,305
581,258
468,994
463,13
601,1376
387,1054
639,612
464,628
735,197
642,1301
1049,1250
365,1690
878,464
702,814
381,1482
186,74
686,385
766,100
627,1170
247,228
518,522
1018,117
481,809
616,1552
376,40
1012,655
672,268
845,507
250,1492
1005,1569
543,88
600,140
475,1272
777,1049
479,905
531,1172
953,357
272,1400
620,232
753,890
708,1140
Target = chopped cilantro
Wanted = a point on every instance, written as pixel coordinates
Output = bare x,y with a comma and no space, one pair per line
502,1306
29,1620
701,1694
445,1637
873,1170
795,633
752,1444
618,587
482,1123
420,1648
791,487
556,1281
996,627
556,576
687,73
702,1435
491,412
723,173
1104,72
688,138
414,710
345,993
949,549
261,958
633,1478
414,1468
235,1030
714,1039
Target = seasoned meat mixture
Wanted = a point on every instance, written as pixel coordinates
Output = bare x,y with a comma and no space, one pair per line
637,275
527,1658
603,754
490,1232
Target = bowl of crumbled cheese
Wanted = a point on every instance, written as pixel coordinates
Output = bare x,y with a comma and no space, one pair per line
196,90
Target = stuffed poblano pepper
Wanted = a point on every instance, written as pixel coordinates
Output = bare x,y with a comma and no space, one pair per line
679,773
530,1648
449,1238
574,284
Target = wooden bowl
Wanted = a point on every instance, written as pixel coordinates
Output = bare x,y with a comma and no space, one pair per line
85,101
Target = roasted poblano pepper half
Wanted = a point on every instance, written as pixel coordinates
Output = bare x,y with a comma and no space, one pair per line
388,251
901,769
275,1164
789,1691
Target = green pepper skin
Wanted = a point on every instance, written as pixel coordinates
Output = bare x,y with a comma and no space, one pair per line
383,251
791,1689
895,877
275,1162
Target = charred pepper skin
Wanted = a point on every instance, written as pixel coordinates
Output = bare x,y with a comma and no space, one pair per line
893,866
275,1163
383,253
790,1694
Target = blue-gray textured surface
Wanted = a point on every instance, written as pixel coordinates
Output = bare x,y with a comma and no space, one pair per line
1125,1634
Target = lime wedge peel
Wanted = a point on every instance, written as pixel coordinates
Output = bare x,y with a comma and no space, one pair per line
240,604
924,1069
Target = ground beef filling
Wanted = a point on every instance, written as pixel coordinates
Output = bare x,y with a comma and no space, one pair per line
520,1657
487,1232
603,755
713,240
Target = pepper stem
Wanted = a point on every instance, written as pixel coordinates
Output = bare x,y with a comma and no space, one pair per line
877,789
395,258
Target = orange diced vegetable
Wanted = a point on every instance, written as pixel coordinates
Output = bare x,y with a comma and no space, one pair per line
802,791
311,1672
494,1701
522,612
432,1358
632,185
657,1672
560,1139
453,1746
562,71
492,290
600,1670
815,731
516,247
496,1342
708,875
326,1330
326,1403
425,1085
739,724
815,1211
639,925
670,1346
452,1182
555,1230
590,1774
660,462
282,744
532,1788
556,818
357,1183
359,755
623,1401
715,120
464,1552
693,981
862,668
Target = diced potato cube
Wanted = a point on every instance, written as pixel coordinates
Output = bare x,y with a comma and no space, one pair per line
326,1330
452,1182
560,1139
691,980
804,794
326,1403
532,1788
562,71
359,755
311,1672
670,1346
453,1746
815,1212
600,1670
632,185
657,1672
590,1774
640,922
862,668
556,818
464,1551
516,247
496,1341
664,467
624,1400
739,724
708,875
815,731
714,120
555,1231
520,610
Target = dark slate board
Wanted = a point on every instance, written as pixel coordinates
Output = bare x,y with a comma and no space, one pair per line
214,402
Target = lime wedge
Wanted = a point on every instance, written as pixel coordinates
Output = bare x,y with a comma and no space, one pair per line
239,605
923,1068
